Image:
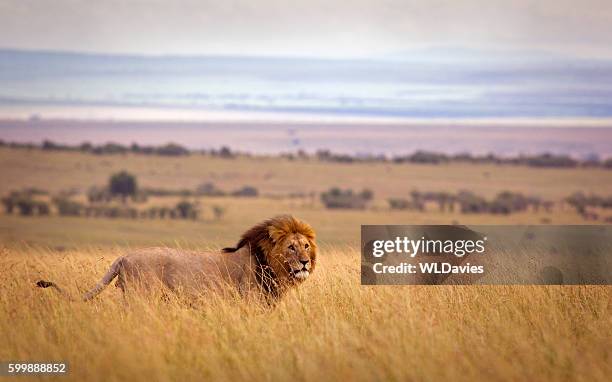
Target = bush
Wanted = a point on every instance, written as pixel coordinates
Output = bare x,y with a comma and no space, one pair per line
246,191
67,207
507,202
99,195
167,192
471,203
123,184
423,157
110,148
26,206
42,208
366,194
24,202
218,212
550,160
209,189
224,152
399,204
337,198
187,210
171,149
9,203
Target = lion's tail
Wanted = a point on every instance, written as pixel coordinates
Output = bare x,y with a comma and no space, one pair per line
103,283
49,284
105,280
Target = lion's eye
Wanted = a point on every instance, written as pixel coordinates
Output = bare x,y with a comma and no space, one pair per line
306,245
291,247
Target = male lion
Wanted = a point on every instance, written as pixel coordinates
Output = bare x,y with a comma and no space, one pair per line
269,259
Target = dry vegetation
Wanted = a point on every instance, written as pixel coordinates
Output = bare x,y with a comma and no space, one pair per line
55,171
330,329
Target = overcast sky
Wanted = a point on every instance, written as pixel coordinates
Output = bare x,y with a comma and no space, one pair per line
334,28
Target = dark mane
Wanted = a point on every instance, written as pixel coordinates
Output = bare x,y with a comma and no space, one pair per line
259,241
252,238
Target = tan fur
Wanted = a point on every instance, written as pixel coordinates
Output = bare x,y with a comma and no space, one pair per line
269,259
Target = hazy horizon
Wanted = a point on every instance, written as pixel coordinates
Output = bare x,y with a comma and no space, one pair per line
314,28
343,60
362,63
424,85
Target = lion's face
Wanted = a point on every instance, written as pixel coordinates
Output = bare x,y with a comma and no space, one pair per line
294,257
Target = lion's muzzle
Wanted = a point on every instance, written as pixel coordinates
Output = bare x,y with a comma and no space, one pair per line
301,274
301,271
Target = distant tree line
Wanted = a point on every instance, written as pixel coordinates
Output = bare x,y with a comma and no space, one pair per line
204,189
505,202
121,186
23,203
109,148
337,198
584,204
544,160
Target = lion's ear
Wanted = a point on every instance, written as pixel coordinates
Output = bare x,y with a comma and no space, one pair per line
275,233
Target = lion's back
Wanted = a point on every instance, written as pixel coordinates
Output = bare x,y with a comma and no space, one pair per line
175,268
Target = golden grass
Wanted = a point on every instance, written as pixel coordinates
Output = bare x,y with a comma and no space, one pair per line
55,171
336,227
330,329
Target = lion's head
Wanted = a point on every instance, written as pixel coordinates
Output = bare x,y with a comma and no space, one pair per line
284,244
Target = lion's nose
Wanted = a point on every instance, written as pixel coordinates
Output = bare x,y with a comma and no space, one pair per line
304,262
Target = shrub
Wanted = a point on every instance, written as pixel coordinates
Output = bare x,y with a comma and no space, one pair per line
550,160
337,198
246,191
85,146
123,184
218,212
209,189
110,148
9,203
399,204
24,203
423,157
171,149
187,210
99,195
67,207
507,202
48,145
26,206
42,208
471,203
579,201
367,194
224,152
164,212
167,192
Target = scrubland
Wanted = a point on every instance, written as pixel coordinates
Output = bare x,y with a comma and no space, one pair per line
331,328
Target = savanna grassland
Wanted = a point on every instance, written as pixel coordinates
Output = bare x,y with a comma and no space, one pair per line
331,328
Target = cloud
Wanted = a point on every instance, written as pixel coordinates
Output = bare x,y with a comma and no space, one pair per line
314,27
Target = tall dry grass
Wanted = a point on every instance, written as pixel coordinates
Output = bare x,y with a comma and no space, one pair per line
329,329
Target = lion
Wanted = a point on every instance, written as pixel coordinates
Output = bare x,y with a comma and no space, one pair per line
269,259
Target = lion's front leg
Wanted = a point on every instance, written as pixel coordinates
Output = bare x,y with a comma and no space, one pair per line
249,290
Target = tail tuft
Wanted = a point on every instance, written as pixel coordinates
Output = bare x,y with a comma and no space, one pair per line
44,284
